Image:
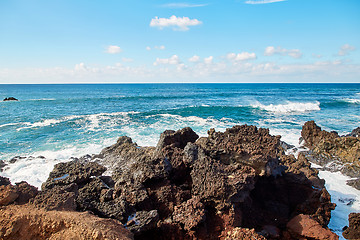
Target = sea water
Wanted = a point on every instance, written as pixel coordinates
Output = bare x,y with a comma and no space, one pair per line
52,123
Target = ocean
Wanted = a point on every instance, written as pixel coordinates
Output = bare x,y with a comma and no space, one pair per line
71,120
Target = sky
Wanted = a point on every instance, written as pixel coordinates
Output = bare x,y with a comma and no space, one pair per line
142,41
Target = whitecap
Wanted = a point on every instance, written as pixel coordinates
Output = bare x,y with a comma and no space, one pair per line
352,100
289,107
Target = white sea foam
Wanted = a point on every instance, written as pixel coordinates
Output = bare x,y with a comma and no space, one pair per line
10,124
43,99
352,100
341,194
289,107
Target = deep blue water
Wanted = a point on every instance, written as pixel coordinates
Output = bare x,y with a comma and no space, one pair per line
55,118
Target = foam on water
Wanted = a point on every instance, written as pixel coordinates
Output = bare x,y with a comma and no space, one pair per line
352,100
341,194
289,107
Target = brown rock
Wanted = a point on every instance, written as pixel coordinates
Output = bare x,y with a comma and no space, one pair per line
8,194
302,226
27,222
243,234
353,231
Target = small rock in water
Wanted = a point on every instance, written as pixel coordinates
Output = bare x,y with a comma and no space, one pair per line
10,99
347,201
15,159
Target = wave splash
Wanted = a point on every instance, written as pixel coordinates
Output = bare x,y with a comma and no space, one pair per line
289,107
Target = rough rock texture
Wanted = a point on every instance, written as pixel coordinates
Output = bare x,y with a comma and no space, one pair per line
190,188
302,226
19,194
353,231
237,184
28,222
332,152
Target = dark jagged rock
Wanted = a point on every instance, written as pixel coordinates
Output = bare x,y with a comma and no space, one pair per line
332,152
10,99
353,231
2,165
72,172
21,193
354,133
228,185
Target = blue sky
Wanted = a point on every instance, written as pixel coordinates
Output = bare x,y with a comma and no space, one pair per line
66,41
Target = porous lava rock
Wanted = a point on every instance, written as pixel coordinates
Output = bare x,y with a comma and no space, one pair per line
333,152
353,231
237,184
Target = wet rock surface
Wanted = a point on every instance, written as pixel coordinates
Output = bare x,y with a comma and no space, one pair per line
333,152
237,184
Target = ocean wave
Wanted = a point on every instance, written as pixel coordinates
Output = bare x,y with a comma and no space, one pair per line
289,107
94,120
351,100
43,99
10,124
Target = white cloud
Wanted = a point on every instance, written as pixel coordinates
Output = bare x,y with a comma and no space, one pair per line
316,55
177,23
263,1
127,59
112,49
346,49
80,67
182,5
162,47
148,48
270,51
208,60
194,58
241,56
173,60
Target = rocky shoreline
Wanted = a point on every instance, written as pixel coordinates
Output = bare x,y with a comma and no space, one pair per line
237,184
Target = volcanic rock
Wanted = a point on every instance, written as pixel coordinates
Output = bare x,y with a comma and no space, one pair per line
233,184
353,231
302,226
10,99
331,151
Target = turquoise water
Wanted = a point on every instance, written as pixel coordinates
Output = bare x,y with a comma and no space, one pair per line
69,120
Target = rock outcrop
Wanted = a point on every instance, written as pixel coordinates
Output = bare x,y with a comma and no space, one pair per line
22,220
333,152
353,231
237,184
10,99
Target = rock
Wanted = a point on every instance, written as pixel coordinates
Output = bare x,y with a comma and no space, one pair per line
177,139
10,99
27,222
354,133
2,165
26,192
331,151
72,172
60,198
142,221
8,194
353,231
243,234
354,183
302,226
4,181
232,183
189,213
